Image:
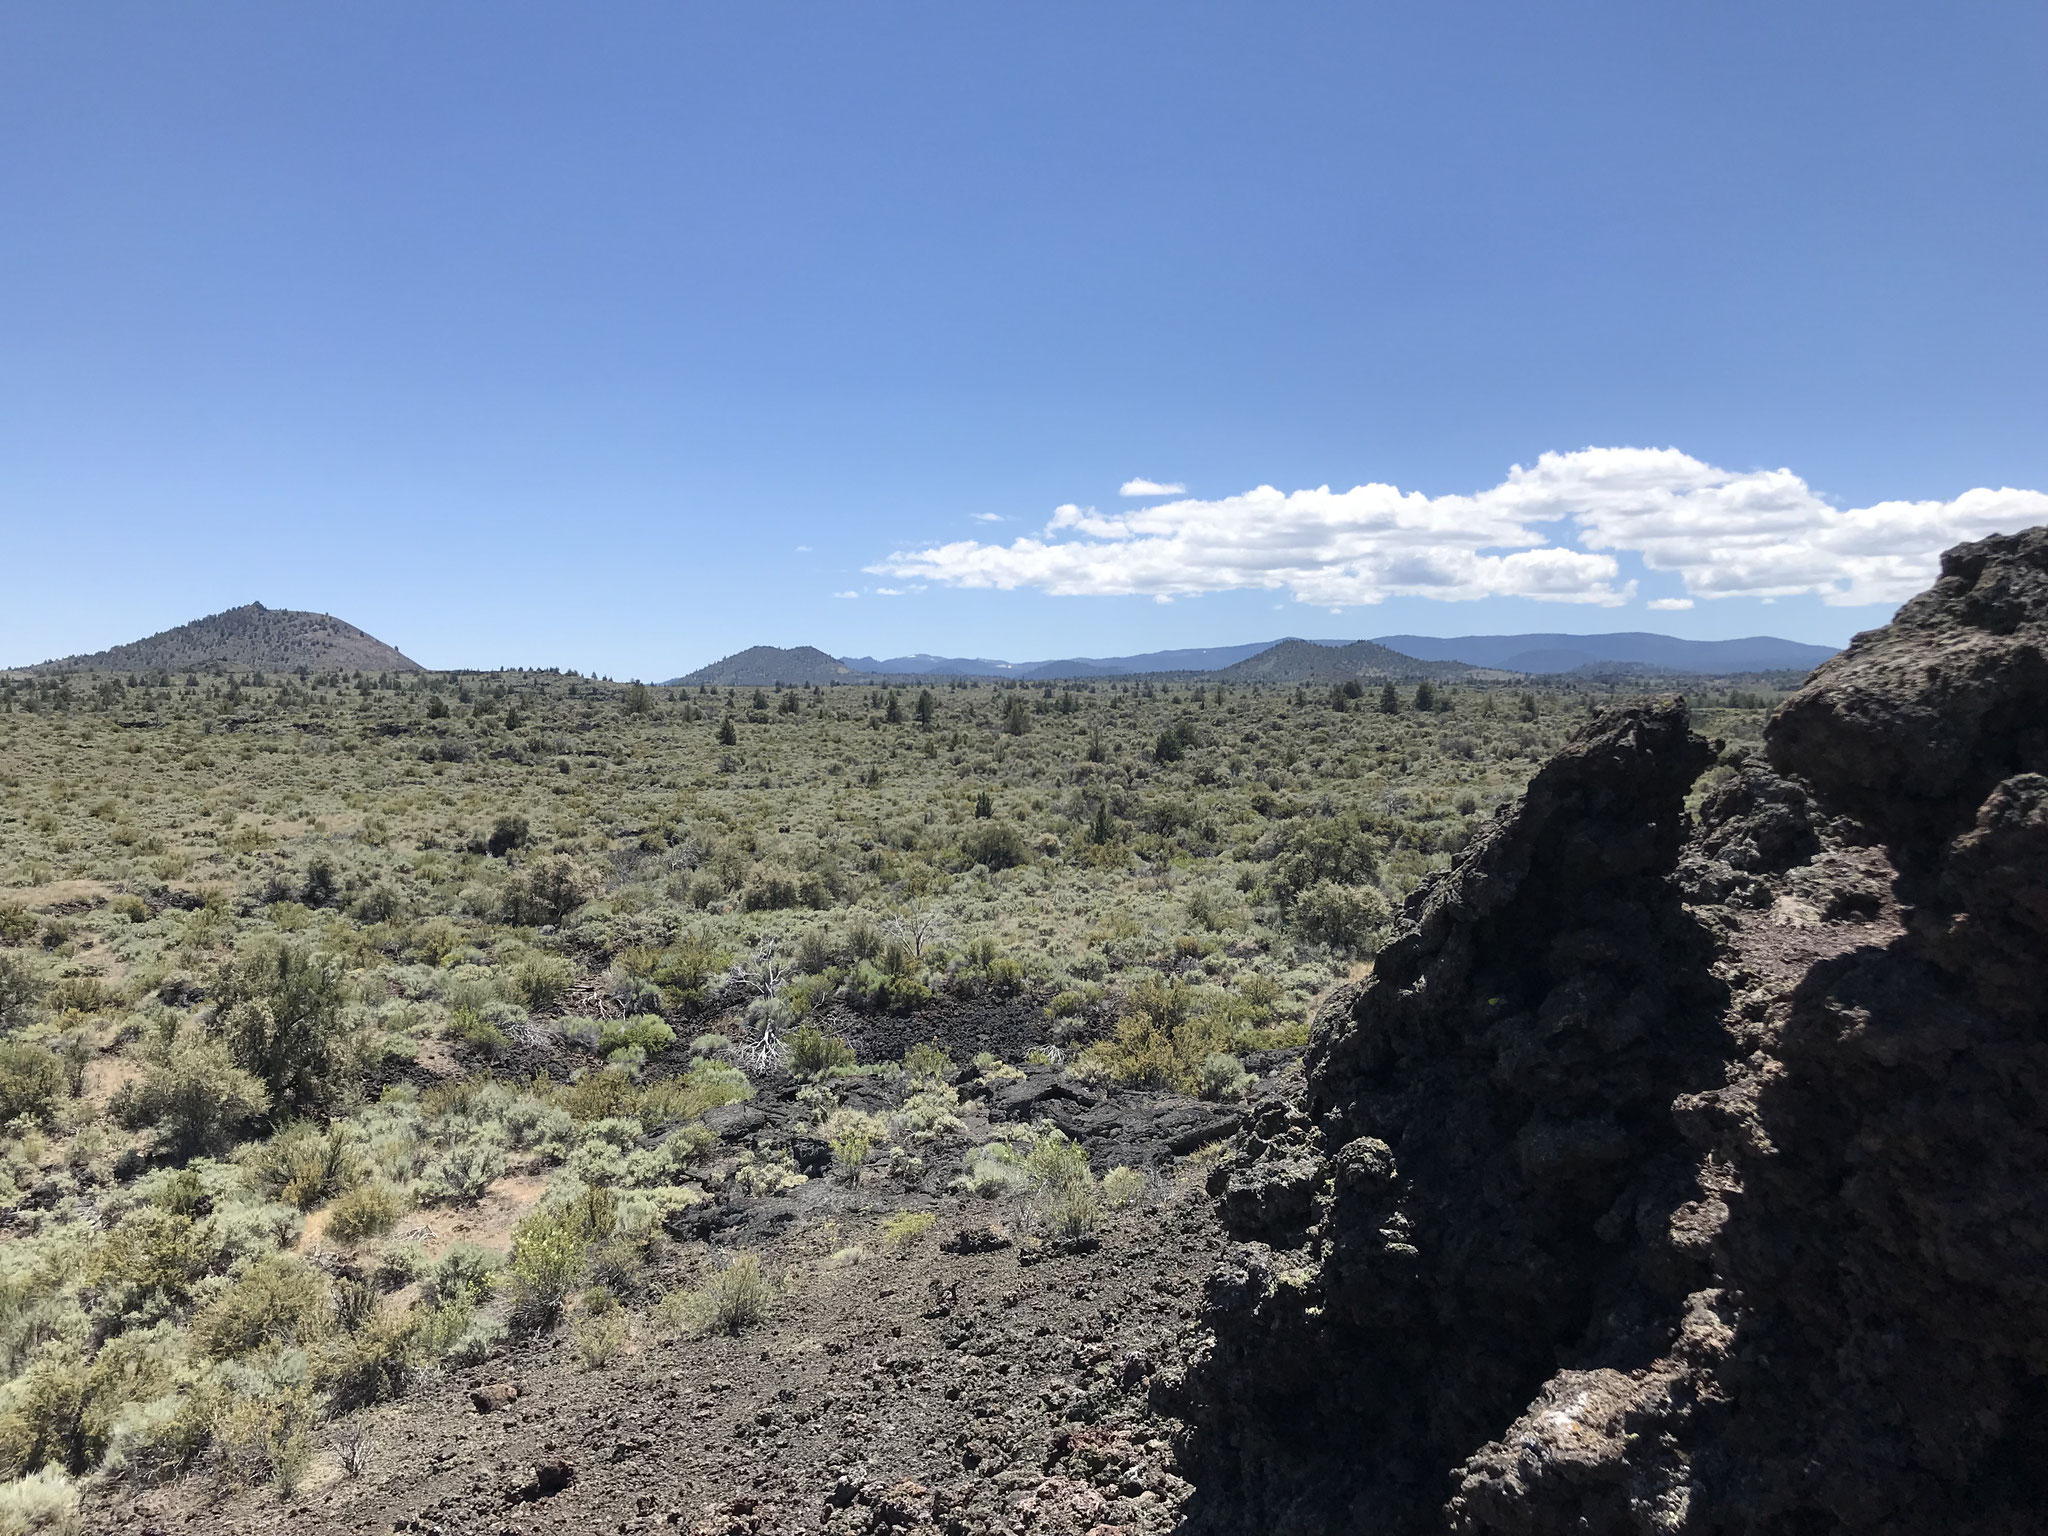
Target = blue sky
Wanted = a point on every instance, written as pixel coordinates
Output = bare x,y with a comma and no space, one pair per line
622,337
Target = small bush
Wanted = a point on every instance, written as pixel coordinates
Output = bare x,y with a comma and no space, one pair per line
906,1227
649,1034
302,1166
1345,917
33,1082
369,1210
279,1009
813,1053
927,1062
477,1029
44,1503
21,988
1222,1076
996,844
599,1331
1073,1216
732,1300
1122,1186
540,982
278,1300
550,1255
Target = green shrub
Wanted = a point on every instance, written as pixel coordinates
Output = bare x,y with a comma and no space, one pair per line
368,1210
648,1033
41,1413
1336,848
540,982
370,1364
1122,1186
1346,917
992,1170
192,1093
732,1300
996,844
550,1255
812,1052
477,1029
907,1227
277,1300
17,923
265,1434
279,1009
33,1082
44,1503
464,1274
303,1166
599,1331
546,893
927,1062
21,988
1221,1076
1074,1215
683,971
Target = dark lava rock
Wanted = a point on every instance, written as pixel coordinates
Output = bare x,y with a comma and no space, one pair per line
1681,1179
549,1478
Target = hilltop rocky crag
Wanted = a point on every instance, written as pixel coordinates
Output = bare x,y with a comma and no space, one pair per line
1676,1175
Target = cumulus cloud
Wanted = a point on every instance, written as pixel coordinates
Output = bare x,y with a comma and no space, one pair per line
1550,532
1669,604
1148,488
986,517
846,594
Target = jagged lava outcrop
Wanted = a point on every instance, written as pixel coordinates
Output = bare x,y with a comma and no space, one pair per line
1681,1174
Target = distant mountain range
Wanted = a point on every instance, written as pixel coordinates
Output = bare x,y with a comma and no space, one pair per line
1657,653
1208,659
1312,661
761,665
252,637
1408,657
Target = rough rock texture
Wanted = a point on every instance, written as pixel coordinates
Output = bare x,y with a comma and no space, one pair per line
1675,1177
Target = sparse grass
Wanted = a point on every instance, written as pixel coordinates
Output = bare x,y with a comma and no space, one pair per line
732,1299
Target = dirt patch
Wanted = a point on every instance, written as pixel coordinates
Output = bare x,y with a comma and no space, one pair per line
69,896
487,1224
924,1392
105,1077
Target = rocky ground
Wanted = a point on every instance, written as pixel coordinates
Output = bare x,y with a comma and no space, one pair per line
978,1378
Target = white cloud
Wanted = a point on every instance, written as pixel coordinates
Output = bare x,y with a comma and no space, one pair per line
1548,532
803,549
1149,488
846,594
1669,604
888,591
987,517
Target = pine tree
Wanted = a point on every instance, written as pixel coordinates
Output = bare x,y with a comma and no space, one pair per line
1102,829
1425,697
927,709
1390,700
728,736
